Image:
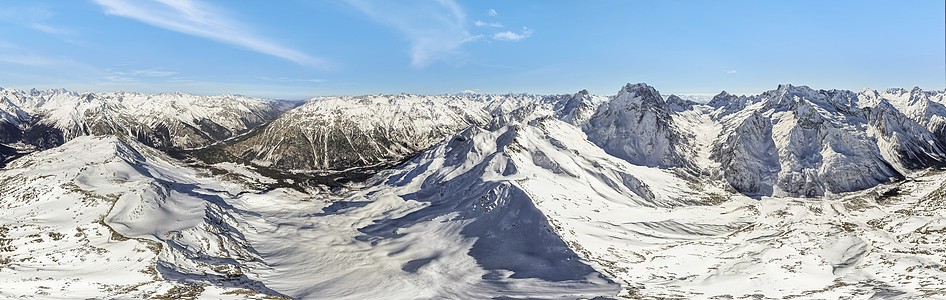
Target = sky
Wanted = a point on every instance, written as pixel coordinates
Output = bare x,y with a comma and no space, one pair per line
298,49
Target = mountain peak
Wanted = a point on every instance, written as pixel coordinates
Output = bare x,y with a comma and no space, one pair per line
793,88
640,92
721,99
635,86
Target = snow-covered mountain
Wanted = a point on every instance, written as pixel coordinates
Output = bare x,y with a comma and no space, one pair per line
792,193
337,133
800,141
45,119
636,126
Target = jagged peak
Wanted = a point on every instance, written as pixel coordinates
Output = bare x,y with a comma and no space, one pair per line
635,87
896,90
868,91
787,87
786,95
679,104
640,92
721,99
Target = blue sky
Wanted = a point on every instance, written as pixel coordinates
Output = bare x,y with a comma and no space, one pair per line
298,49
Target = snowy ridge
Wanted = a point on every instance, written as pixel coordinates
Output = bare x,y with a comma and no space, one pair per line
103,217
46,119
574,109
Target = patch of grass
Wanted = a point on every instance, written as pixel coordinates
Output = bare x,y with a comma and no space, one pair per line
849,227
56,236
205,158
252,293
191,291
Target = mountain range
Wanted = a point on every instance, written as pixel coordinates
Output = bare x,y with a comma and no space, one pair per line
795,192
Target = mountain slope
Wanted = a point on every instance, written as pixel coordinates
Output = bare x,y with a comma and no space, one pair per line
46,119
100,217
337,133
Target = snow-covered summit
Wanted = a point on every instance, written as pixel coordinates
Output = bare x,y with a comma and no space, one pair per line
636,125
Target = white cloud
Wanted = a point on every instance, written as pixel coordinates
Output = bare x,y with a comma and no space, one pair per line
436,29
199,19
731,72
119,79
51,29
479,23
493,13
136,75
147,73
513,36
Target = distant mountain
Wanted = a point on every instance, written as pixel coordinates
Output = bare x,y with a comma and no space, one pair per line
337,133
44,119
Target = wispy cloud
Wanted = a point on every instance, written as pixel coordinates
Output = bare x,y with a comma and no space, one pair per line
731,72
436,29
286,79
199,19
39,18
479,23
147,73
492,12
51,29
513,36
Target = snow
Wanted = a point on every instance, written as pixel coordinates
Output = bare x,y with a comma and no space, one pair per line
516,196
187,121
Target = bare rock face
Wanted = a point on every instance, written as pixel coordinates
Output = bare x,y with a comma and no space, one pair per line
679,104
749,157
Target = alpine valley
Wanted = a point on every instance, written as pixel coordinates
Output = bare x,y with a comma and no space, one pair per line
792,193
